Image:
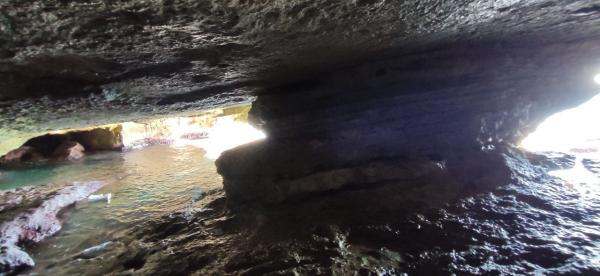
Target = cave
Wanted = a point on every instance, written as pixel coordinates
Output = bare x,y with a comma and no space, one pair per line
358,137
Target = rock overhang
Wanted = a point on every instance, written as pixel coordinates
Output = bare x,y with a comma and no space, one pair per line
215,53
342,83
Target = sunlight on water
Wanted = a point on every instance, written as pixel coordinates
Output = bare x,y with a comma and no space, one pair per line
575,128
167,165
214,131
144,184
226,134
576,132
579,178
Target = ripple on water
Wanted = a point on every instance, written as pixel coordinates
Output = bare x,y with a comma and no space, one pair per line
536,224
144,184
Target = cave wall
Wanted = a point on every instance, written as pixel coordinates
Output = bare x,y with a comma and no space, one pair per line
450,111
339,83
75,64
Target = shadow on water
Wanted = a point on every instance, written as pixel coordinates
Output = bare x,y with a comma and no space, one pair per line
533,223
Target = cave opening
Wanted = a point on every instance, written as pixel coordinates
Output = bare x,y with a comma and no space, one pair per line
213,132
120,174
573,137
386,137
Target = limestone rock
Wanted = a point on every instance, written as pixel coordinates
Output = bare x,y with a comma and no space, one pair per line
66,146
20,155
98,139
69,150
59,57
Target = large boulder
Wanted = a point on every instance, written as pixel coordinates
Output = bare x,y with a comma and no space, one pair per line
46,144
65,146
99,139
69,150
21,155
326,134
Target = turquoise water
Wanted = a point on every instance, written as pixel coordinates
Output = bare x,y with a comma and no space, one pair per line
144,184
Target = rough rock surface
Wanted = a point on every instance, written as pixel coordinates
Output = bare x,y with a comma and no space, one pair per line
21,154
98,139
419,228
129,59
437,104
64,146
70,150
37,223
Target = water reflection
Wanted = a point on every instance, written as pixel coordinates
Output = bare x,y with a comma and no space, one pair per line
575,128
168,165
145,184
213,131
575,132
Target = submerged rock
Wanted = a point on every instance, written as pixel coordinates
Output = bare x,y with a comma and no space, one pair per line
38,223
100,197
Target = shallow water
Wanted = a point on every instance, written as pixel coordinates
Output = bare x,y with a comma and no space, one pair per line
144,184
535,224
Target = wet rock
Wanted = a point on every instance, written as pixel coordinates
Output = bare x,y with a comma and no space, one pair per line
38,223
69,150
261,172
385,229
552,160
65,146
592,165
98,139
57,75
329,126
21,155
47,144
153,50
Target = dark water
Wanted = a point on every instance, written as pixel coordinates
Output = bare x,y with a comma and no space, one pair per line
537,224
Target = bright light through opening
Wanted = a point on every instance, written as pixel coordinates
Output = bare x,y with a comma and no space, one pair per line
597,79
575,131
214,131
225,134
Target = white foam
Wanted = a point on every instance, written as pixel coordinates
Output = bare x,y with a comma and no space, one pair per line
39,223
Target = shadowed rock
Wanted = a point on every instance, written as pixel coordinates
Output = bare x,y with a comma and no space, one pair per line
170,52
65,146
328,132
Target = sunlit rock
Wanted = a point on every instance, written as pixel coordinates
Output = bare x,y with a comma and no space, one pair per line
66,145
69,150
20,155
37,223
98,139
